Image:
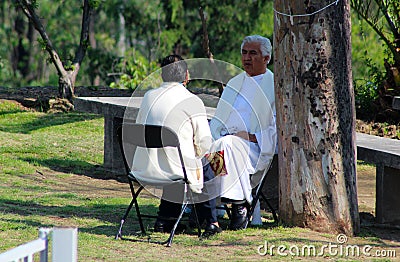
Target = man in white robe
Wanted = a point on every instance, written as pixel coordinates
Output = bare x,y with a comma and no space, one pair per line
172,105
244,126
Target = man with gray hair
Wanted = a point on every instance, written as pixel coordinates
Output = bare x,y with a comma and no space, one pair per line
244,126
173,106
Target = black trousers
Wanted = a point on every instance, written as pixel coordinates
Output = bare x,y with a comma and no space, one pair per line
205,210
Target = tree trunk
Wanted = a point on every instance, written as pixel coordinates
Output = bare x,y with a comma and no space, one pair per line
121,33
315,116
95,77
66,86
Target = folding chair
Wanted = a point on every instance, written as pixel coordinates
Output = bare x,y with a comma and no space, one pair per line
257,193
150,136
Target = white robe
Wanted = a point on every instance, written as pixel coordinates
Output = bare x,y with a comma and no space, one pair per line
252,111
174,106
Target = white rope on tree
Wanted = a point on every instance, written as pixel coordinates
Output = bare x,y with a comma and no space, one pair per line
309,14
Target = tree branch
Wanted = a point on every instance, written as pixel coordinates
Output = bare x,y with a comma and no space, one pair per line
29,10
385,10
364,10
84,40
206,42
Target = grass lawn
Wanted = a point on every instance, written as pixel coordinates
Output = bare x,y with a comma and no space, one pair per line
51,176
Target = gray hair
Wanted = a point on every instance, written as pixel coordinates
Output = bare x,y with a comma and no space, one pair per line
265,44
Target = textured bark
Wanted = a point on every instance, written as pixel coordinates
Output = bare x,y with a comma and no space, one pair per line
207,51
316,116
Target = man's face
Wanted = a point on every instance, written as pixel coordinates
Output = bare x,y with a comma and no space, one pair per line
254,63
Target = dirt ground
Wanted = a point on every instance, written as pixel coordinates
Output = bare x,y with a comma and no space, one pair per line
32,98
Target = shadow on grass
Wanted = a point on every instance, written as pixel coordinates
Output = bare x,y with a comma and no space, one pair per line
51,216
110,216
78,167
45,120
105,218
10,112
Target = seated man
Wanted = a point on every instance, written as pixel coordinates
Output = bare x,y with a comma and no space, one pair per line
172,105
244,126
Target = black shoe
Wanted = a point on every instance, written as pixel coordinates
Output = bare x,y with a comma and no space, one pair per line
161,226
165,226
211,230
239,217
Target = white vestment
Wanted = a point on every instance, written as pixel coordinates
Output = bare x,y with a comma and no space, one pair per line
247,104
172,105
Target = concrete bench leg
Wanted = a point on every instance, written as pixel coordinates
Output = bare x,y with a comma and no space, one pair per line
112,154
387,195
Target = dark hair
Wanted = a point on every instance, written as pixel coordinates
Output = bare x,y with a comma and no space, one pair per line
173,69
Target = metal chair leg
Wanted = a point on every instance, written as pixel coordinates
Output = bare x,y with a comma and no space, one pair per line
119,234
184,205
134,198
171,236
133,202
197,221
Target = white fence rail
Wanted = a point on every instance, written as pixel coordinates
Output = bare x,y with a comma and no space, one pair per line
64,247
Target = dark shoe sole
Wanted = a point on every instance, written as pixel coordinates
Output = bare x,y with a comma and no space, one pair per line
211,231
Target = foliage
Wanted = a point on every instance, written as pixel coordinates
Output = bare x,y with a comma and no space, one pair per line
366,93
365,45
175,27
228,22
368,69
100,63
134,69
5,71
384,18
154,29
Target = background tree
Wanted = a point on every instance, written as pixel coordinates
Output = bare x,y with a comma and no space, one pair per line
147,38
384,18
152,29
315,116
67,70
227,23
175,27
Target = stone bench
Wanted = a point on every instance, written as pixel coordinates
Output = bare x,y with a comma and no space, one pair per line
113,110
383,152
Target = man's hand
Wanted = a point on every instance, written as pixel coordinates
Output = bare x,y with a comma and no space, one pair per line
247,136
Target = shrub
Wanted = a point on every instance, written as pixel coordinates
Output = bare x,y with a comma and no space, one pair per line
134,68
366,91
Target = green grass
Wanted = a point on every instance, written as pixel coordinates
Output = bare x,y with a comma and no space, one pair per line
51,176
